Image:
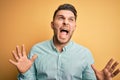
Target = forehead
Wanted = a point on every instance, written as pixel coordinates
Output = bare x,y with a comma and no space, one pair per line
65,13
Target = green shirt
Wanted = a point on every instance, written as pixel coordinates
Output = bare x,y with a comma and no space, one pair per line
73,63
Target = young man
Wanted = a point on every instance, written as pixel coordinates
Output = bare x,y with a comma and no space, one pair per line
60,58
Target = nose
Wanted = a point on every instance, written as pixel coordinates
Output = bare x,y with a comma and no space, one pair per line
66,22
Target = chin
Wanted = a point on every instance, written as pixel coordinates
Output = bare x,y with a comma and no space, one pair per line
63,41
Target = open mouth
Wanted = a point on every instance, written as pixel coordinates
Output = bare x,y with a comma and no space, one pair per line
65,31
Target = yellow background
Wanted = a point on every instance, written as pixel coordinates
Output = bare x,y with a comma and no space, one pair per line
28,22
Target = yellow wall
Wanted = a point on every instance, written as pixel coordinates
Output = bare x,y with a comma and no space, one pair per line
28,22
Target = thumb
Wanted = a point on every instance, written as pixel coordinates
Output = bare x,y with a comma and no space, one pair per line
34,57
93,67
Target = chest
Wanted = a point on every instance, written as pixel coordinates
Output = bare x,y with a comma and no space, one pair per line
67,64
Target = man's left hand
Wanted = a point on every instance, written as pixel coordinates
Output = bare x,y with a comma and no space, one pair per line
108,72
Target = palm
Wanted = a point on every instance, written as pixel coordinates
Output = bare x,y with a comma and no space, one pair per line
102,76
108,72
22,62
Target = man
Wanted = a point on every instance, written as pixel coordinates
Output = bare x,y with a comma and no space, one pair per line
60,58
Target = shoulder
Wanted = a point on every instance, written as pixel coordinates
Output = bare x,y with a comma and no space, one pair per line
39,47
80,47
41,44
83,51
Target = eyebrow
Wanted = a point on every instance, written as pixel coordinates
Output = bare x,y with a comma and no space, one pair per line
63,16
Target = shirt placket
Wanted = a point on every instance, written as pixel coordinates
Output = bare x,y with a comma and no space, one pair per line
59,66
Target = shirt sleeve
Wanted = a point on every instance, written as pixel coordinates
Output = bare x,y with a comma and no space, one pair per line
88,73
31,73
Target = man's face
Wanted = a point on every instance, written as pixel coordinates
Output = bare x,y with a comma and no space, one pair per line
63,26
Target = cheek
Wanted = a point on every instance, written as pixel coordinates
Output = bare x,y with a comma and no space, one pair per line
72,28
58,23
56,27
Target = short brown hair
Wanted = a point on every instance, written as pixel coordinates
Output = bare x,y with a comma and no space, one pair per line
66,7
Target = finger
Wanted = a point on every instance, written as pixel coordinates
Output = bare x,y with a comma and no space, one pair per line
33,57
116,72
23,50
114,66
18,51
15,55
94,69
109,63
107,73
13,62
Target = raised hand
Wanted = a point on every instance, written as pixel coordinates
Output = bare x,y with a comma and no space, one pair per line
108,72
22,62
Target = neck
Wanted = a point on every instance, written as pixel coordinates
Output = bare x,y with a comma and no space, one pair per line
58,45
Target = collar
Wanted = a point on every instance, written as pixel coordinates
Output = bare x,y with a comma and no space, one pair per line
65,48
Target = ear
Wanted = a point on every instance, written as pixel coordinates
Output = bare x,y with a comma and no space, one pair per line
52,24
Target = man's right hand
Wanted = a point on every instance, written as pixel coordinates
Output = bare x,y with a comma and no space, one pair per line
22,62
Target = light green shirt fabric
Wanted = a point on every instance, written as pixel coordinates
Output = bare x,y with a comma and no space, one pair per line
73,63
